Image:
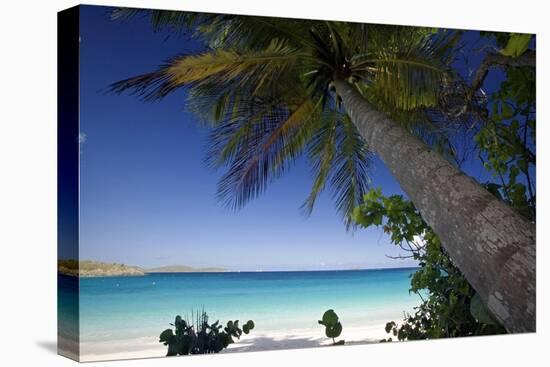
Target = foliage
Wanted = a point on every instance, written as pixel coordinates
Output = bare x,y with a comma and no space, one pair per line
202,337
446,308
265,85
517,44
333,326
506,142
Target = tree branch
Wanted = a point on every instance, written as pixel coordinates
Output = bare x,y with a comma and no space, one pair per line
528,58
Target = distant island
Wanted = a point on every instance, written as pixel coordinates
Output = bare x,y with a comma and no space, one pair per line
184,269
88,268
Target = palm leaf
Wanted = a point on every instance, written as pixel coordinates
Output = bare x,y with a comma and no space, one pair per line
405,69
251,69
339,156
321,151
350,180
259,150
238,31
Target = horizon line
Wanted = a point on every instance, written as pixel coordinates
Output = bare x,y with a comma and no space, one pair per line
226,270
280,271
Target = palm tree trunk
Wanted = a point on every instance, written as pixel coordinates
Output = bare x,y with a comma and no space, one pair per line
491,244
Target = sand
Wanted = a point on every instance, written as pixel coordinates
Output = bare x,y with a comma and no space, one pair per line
294,339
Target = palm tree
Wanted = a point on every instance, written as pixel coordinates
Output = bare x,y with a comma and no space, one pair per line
273,88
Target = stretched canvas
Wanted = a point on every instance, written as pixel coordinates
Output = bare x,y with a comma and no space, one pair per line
234,183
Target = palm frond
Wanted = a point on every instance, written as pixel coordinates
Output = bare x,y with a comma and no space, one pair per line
250,70
339,156
239,31
234,133
405,69
350,180
259,149
356,38
214,103
321,152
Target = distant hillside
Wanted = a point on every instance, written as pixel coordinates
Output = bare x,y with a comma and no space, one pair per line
184,269
89,268
96,269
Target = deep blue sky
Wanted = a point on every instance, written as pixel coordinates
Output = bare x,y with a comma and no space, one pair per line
148,199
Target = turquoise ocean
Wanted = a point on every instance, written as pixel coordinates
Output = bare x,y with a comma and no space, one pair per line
118,309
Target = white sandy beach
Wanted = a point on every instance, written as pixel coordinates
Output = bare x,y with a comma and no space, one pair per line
296,339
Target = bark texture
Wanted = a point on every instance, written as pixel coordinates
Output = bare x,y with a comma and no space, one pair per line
490,243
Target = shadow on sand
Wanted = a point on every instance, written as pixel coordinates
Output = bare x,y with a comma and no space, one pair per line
264,343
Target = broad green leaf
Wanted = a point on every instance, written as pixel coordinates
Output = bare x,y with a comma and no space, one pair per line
334,331
166,336
248,326
330,317
517,44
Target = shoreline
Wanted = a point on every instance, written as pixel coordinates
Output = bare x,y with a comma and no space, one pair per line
266,341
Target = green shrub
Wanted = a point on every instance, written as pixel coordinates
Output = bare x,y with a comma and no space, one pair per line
201,338
333,326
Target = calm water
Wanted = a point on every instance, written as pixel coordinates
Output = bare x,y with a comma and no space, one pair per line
121,308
